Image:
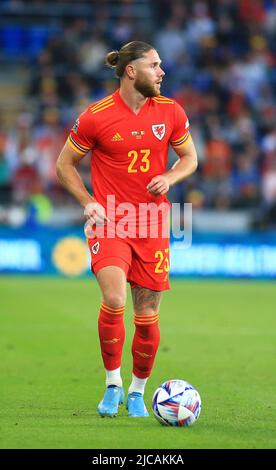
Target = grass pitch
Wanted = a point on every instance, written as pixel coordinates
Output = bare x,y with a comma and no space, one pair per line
218,335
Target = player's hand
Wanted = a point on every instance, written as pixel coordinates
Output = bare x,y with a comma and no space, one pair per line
95,214
158,185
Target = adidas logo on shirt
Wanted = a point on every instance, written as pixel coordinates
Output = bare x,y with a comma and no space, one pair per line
117,137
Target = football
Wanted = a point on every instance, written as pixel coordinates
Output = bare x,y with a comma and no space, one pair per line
176,403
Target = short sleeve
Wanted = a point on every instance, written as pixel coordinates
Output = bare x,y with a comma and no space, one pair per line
82,134
181,130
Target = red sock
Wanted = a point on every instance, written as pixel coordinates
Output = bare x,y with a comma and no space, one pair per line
112,335
145,344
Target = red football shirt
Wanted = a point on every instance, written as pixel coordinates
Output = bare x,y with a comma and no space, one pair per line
128,149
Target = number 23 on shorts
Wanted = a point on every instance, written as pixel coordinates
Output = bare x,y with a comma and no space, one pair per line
163,264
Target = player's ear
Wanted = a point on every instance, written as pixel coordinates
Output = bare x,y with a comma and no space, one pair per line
130,71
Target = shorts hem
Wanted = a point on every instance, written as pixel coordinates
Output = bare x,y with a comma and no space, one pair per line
110,261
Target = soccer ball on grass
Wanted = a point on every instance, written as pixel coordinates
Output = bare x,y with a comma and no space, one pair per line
176,403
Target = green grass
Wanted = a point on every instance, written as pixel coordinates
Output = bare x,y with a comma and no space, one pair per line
220,336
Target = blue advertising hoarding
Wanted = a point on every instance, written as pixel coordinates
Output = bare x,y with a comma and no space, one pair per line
45,250
219,255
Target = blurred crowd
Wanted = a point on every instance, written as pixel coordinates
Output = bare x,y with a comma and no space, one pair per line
220,62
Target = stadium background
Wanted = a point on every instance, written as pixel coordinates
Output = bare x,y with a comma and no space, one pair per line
220,63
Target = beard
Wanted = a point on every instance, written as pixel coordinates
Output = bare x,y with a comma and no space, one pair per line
146,88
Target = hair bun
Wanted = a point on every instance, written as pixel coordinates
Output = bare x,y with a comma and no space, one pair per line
112,58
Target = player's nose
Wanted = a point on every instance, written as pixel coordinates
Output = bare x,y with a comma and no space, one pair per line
162,73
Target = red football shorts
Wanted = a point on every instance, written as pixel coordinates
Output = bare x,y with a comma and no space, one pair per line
145,261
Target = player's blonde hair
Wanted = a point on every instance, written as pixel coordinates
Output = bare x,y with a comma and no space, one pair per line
118,60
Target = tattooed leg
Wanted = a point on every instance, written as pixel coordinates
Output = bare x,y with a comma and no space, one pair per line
145,301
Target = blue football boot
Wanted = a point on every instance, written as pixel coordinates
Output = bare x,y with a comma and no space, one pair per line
136,406
113,397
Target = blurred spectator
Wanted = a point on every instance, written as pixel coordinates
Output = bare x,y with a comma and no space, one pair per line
252,12
122,31
200,26
269,181
48,139
245,181
248,75
92,53
268,143
170,41
26,177
18,139
268,187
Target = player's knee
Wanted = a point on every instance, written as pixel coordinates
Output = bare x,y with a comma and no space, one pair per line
114,300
